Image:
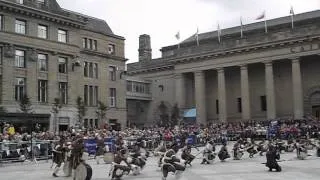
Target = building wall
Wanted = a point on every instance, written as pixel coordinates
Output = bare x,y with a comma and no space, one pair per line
74,52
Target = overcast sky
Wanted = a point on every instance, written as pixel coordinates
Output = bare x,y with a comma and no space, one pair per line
162,19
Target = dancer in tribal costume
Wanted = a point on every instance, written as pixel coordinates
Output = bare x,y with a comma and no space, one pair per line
81,170
58,157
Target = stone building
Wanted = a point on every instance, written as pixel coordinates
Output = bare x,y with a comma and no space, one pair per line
48,52
261,75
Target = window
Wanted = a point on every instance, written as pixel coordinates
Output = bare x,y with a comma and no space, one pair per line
263,102
19,1
20,27
84,43
42,62
62,36
63,65
89,43
20,88
239,105
0,55
96,123
42,91
85,123
86,69
111,49
129,86
94,45
90,95
112,73
96,96
85,91
113,97
19,59
42,31
95,70
63,92
41,2
1,23
217,106
90,70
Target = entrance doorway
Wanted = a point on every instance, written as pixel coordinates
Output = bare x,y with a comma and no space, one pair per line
316,112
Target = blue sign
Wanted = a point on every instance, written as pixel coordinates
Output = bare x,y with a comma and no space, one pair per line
90,145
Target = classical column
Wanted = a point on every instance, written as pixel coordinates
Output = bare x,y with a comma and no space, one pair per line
222,95
199,80
297,89
180,90
270,93
245,94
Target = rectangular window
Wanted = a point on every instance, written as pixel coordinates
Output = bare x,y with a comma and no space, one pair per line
263,101
239,104
19,1
96,95
112,73
63,92
90,70
42,62
85,95
63,65
96,123
90,95
111,49
129,86
20,27
86,69
94,45
42,91
84,43
41,2
62,35
20,59
20,88
95,70
89,43
42,31
217,106
1,22
113,97
0,55
85,123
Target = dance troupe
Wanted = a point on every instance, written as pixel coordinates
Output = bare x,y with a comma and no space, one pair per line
132,159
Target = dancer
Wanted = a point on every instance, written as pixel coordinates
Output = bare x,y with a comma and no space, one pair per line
272,156
117,170
58,156
186,155
208,153
223,153
170,163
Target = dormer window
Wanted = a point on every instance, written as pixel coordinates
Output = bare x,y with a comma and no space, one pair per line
111,49
19,1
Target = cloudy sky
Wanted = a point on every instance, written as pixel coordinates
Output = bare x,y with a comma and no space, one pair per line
162,19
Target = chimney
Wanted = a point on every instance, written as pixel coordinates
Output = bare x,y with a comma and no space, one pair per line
145,51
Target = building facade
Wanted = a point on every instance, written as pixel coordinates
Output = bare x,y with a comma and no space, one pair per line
50,53
258,76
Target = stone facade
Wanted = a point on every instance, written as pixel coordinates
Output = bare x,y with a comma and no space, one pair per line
260,76
90,43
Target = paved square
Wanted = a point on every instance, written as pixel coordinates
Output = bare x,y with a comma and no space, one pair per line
245,169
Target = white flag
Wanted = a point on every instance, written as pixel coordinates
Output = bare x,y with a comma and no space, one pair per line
261,16
219,33
178,35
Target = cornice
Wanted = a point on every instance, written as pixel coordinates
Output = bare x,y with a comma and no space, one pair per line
105,55
40,14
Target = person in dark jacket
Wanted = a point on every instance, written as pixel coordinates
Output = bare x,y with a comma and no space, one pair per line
272,157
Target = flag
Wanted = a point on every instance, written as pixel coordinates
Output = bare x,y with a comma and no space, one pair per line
219,33
178,35
292,14
241,27
261,16
197,36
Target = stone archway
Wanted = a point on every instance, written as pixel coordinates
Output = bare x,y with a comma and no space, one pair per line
311,99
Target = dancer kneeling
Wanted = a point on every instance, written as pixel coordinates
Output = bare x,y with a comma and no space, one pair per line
170,163
117,170
208,153
272,157
186,155
223,153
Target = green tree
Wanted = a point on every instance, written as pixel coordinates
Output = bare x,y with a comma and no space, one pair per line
101,112
175,115
25,105
81,110
56,106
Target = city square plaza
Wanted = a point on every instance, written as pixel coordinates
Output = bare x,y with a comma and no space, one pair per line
244,169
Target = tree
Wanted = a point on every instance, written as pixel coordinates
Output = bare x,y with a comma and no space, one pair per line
175,115
55,109
25,105
164,117
101,112
81,110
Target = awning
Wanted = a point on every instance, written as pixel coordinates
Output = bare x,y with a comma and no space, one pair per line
190,113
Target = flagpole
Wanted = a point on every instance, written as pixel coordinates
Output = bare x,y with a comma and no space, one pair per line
241,29
265,22
219,38
292,21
